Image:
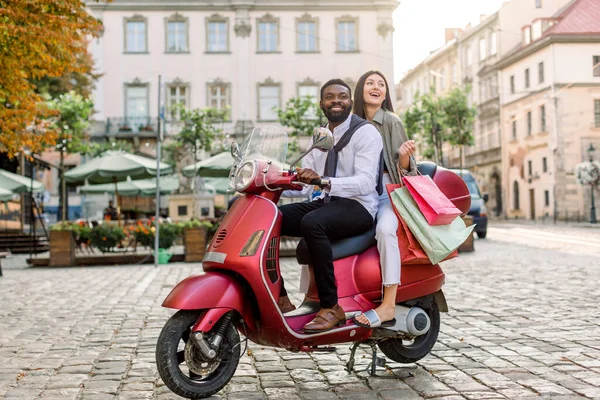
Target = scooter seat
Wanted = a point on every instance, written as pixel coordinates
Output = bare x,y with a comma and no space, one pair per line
341,248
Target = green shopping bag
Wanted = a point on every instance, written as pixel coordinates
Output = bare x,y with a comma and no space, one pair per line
437,241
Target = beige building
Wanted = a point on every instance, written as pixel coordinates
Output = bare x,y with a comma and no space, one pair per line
551,112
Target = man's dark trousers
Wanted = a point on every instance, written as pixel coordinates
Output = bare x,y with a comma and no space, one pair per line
318,223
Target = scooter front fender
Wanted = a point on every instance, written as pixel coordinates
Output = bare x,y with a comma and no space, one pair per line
211,290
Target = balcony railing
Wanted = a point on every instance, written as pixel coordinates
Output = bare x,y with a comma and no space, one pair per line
131,126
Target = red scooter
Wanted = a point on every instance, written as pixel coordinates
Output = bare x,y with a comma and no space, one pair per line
199,347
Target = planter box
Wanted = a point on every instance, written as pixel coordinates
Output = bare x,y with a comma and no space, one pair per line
62,248
194,243
469,244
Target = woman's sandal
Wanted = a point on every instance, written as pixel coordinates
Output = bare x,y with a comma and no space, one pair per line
374,321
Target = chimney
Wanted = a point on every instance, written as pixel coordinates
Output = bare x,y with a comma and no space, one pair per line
452,33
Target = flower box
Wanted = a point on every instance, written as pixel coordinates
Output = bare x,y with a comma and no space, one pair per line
62,248
194,243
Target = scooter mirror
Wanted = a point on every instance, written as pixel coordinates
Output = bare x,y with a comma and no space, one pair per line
322,139
235,150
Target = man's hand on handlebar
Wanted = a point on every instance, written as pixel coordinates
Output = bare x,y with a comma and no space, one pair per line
306,175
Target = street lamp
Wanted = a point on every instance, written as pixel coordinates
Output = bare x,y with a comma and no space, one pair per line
591,151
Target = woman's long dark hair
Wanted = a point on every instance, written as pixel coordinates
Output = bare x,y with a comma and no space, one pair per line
359,99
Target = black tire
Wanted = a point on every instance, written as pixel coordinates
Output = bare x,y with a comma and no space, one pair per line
170,358
481,235
399,351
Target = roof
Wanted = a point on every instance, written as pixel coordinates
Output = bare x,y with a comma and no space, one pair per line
581,18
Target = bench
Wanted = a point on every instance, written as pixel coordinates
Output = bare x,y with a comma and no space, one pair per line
2,255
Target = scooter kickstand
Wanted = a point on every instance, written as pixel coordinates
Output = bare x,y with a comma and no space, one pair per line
376,362
350,363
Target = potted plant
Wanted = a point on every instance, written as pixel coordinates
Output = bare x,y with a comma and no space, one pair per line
106,237
195,239
62,245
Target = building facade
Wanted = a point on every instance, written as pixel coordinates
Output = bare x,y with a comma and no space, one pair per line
244,56
551,112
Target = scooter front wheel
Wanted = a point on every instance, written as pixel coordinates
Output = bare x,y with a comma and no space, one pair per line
181,365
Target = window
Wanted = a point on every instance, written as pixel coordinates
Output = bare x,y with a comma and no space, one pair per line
529,168
536,30
136,101
177,95
454,74
529,124
347,35
512,84
268,99
541,72
219,95
442,79
312,91
136,35
544,164
543,119
306,39
596,65
527,78
597,113
546,198
516,195
217,38
482,49
514,128
538,3
268,34
182,210
177,35
493,43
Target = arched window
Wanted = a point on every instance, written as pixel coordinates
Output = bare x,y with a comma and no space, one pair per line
516,195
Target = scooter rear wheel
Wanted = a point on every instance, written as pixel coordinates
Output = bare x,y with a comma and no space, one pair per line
180,364
407,352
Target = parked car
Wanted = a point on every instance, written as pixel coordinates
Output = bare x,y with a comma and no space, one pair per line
478,209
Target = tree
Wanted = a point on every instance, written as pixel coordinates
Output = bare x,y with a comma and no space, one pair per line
302,116
80,82
38,39
72,113
459,118
426,117
198,131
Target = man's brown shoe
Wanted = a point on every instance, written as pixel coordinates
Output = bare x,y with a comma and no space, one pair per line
285,305
326,319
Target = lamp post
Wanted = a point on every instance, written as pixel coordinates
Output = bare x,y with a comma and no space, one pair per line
591,151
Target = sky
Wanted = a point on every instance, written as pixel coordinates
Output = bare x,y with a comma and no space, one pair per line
419,27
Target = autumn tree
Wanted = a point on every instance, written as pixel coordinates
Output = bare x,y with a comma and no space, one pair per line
302,115
38,39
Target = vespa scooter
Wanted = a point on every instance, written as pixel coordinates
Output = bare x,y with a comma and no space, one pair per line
199,347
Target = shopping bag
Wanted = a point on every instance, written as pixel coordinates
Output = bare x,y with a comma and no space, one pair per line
411,252
434,204
438,242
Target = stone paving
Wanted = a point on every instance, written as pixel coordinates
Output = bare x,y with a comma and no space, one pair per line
524,323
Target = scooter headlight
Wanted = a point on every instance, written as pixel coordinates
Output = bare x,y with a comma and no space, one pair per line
245,175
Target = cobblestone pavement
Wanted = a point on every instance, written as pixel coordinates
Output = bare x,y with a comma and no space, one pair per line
524,323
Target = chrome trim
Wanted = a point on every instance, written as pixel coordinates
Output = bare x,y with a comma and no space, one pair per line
213,256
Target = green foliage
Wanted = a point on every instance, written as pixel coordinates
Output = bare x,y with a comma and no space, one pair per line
441,119
302,115
71,121
199,127
106,237
97,149
145,235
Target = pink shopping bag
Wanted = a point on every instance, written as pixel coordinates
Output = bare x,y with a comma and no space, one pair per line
434,204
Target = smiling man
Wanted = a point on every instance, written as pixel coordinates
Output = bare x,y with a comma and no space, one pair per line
347,207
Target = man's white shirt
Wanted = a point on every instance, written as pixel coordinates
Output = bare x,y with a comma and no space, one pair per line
357,167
